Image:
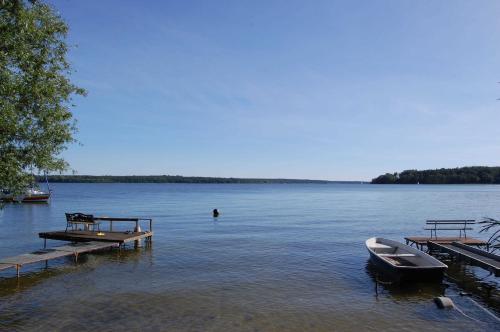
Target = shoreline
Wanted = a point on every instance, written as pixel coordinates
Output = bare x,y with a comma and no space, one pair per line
179,179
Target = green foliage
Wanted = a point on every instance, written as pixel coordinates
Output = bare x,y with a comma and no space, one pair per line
169,179
463,175
492,224
35,93
387,178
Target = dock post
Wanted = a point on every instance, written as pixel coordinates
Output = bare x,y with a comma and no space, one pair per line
17,270
44,243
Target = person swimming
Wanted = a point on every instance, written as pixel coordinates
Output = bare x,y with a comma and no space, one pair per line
215,213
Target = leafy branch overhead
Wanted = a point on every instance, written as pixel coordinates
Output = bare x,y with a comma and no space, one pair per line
36,123
492,224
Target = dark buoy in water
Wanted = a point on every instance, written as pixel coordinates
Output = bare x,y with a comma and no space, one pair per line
215,213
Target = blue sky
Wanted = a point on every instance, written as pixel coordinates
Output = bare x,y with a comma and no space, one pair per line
340,90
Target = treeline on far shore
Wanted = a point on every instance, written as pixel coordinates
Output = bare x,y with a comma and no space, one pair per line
462,175
167,179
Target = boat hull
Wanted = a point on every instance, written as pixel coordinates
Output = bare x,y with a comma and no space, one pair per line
403,262
36,199
39,197
404,274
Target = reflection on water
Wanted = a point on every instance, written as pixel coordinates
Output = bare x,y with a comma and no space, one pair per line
476,282
278,258
401,291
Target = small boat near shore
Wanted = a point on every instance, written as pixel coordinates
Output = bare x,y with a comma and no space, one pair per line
404,262
31,195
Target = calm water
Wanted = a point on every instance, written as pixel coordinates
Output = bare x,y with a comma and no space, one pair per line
279,258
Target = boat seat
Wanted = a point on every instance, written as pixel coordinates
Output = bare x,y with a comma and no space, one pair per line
397,255
380,246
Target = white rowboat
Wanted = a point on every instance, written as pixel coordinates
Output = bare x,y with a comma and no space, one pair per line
405,262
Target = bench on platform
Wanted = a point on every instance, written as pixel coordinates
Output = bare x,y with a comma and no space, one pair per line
87,220
449,225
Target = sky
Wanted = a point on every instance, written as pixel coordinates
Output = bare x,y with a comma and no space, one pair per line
336,90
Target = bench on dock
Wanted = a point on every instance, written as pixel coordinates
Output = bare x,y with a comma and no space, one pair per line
134,220
87,220
449,225
90,222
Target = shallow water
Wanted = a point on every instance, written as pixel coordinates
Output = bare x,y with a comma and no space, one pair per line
279,258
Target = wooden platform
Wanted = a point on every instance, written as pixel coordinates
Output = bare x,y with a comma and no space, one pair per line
33,257
481,258
421,241
86,236
52,253
4,266
81,247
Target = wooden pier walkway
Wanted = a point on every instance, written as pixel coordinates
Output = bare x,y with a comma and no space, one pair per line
481,258
421,241
52,253
4,266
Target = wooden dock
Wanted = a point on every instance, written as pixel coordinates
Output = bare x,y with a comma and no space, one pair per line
52,253
82,241
111,235
481,258
86,236
4,266
421,241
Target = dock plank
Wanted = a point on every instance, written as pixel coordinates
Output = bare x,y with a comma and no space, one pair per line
464,240
82,247
33,257
421,241
86,236
4,266
485,259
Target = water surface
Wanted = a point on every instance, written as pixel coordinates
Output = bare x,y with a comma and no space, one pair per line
279,258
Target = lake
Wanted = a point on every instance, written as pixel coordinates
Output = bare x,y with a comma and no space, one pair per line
287,257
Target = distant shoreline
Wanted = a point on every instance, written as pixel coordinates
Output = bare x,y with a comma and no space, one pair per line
459,175
177,179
